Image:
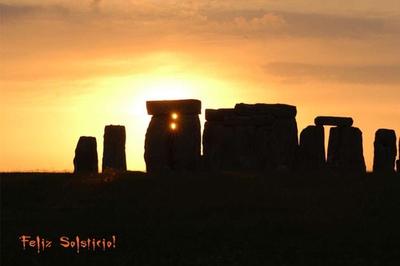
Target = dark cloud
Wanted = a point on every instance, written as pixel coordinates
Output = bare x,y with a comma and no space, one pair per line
18,12
318,25
359,74
308,24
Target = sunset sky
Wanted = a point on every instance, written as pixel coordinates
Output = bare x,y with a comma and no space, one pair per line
70,67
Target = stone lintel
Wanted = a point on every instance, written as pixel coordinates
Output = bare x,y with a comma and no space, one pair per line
219,114
248,120
333,121
275,110
189,106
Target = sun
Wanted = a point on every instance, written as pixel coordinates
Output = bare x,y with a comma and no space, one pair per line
168,89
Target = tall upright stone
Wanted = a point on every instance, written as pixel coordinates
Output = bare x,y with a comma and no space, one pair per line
86,160
345,150
173,138
398,161
385,150
312,149
114,148
284,128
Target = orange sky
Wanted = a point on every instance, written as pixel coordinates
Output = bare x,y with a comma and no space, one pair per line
68,68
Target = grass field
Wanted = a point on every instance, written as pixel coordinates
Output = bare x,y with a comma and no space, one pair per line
201,219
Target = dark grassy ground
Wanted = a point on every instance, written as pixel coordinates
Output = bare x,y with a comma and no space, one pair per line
204,218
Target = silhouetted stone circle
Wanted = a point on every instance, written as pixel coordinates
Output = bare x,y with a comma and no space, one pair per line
114,148
173,142
85,160
385,150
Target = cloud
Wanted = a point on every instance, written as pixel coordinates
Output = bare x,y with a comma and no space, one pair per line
266,22
353,74
19,12
320,25
95,5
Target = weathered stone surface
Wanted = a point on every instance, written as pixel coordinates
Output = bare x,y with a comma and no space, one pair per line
114,148
275,110
333,121
245,148
385,150
173,149
189,106
255,137
267,156
248,120
345,150
158,144
312,149
85,160
287,141
398,161
187,143
219,114
213,144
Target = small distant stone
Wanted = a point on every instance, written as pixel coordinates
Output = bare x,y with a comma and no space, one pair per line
333,121
384,150
85,160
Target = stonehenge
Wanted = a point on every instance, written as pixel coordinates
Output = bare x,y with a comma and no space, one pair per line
173,137
114,148
85,160
385,150
250,137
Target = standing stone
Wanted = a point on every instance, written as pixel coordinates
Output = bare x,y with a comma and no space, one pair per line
345,151
85,160
287,140
260,137
173,138
266,148
213,144
398,161
385,150
114,148
312,149
284,127
186,143
219,140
